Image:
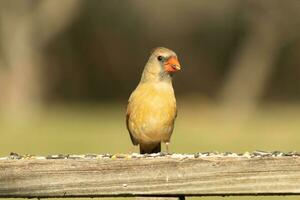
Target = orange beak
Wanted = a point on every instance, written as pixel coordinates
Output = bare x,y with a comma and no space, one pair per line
172,64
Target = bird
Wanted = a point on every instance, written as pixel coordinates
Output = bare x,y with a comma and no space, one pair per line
151,109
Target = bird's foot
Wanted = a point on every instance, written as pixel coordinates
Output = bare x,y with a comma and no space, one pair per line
167,148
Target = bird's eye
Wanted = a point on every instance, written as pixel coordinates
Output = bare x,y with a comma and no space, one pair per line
160,58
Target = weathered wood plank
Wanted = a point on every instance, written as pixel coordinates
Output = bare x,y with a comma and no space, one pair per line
161,198
160,176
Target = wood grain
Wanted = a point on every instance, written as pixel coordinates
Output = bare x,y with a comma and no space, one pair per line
162,176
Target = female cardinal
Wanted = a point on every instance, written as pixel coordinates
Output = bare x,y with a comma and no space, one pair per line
151,109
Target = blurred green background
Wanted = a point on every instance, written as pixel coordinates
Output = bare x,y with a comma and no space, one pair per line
68,67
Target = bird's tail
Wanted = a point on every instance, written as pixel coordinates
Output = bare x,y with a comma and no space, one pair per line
150,148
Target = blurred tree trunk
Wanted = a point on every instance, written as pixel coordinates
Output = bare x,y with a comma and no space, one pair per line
26,28
254,62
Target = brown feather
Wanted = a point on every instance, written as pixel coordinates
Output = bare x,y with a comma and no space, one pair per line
150,148
134,142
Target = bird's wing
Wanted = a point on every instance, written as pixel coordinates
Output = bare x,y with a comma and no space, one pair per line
133,140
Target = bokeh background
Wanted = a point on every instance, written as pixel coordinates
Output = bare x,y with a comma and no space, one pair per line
68,67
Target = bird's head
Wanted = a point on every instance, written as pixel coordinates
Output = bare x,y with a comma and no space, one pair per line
166,58
163,62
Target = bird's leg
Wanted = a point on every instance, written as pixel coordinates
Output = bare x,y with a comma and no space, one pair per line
167,147
134,149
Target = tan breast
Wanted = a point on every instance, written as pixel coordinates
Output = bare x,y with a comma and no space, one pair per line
152,110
